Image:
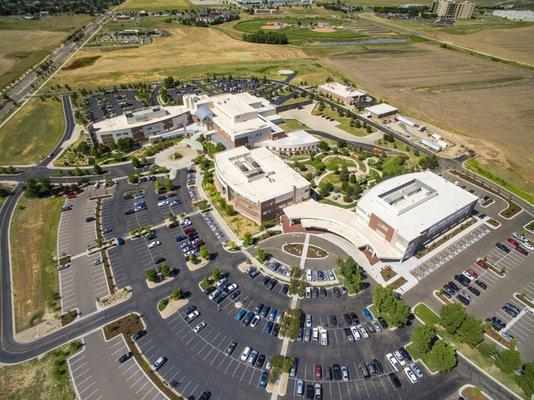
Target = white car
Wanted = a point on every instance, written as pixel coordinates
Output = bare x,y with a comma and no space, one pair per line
355,333
231,288
400,358
363,331
192,316
393,361
163,203
300,387
344,373
315,334
221,282
214,294
308,275
528,246
199,327
308,321
97,261
324,337
308,292
409,373
519,236
255,321
244,354
158,363
153,244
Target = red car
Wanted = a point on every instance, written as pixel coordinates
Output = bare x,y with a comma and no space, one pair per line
482,264
472,272
71,196
522,250
318,372
513,241
189,231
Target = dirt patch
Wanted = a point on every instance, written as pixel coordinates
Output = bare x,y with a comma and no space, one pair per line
397,283
127,325
296,249
387,273
271,26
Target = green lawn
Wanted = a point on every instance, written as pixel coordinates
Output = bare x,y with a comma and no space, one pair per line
291,125
334,203
295,32
32,133
344,122
333,163
393,165
153,5
332,178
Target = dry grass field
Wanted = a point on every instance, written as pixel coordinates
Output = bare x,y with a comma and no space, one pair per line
33,244
150,5
489,103
186,53
25,43
511,43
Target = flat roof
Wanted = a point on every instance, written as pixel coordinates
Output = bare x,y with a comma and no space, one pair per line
412,203
293,139
342,222
257,174
121,121
381,108
341,90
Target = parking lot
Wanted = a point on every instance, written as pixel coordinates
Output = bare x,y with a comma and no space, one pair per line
98,375
110,104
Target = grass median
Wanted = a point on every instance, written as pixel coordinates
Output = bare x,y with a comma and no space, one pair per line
33,241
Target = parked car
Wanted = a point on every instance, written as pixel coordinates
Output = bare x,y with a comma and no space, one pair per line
410,374
481,284
230,348
245,353
158,363
138,335
200,326
394,379
125,357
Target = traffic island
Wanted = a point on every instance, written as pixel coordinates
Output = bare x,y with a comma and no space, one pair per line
114,298
282,385
158,282
171,306
197,264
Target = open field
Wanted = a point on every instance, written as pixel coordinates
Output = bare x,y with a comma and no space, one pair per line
40,378
153,5
492,35
33,236
25,43
488,103
189,52
32,133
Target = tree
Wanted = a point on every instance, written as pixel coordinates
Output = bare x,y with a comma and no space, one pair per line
452,316
351,273
97,169
216,274
471,331
442,357
320,108
204,253
168,185
394,311
192,258
32,188
136,163
125,144
168,82
526,379
423,338
177,294
508,361
248,240
151,275
261,255
165,270
231,245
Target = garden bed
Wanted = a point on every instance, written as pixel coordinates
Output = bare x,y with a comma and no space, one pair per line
296,249
68,317
397,283
127,325
387,273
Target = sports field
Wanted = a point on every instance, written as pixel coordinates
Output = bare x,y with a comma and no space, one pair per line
488,103
186,53
32,133
151,5
33,236
302,28
25,43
